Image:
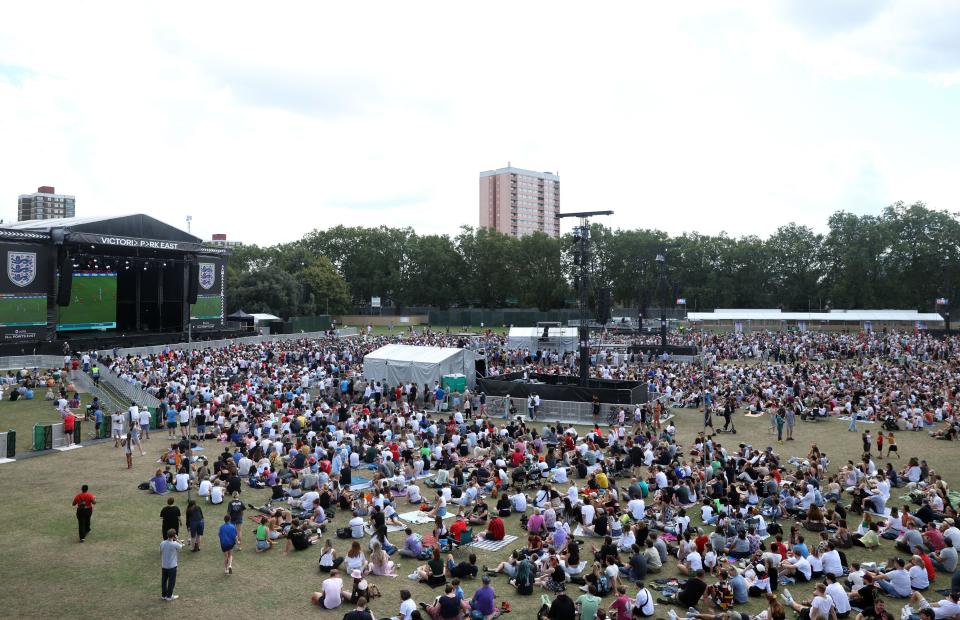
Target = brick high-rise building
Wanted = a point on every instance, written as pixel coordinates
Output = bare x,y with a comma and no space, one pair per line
45,204
520,202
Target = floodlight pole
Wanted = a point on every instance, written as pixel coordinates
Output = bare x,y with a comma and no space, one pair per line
582,239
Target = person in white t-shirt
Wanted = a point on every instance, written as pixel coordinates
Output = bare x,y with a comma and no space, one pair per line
692,563
332,593
637,509
182,481
839,596
145,420
831,561
205,487
943,609
820,608
407,605
216,494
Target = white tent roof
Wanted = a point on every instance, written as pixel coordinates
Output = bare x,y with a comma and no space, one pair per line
775,314
536,332
259,317
410,353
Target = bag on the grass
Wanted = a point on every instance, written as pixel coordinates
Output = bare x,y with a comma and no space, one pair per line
344,533
144,486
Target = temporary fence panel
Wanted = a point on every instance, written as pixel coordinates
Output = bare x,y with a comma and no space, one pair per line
17,362
5,451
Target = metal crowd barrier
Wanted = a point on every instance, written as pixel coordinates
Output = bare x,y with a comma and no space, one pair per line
18,362
130,391
8,444
217,344
50,436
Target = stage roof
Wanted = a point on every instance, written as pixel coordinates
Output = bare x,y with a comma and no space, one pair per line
134,225
774,314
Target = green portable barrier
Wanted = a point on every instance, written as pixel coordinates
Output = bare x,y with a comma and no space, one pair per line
48,437
77,436
38,437
155,417
11,443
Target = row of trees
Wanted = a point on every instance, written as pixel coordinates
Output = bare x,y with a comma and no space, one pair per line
903,258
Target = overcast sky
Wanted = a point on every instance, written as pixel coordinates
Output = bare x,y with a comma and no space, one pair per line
266,120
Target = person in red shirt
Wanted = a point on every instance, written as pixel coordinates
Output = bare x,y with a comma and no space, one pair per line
84,501
458,528
495,529
69,420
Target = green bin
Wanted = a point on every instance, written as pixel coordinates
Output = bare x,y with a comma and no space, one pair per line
38,436
11,443
77,435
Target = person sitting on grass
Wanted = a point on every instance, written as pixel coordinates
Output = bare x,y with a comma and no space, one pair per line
690,594
495,530
433,572
821,607
449,606
158,484
262,535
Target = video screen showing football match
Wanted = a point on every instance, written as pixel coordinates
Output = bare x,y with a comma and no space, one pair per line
93,302
207,307
23,310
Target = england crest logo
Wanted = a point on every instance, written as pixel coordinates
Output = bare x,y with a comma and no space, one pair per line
21,267
207,275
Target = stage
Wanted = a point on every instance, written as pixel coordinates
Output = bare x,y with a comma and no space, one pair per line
564,388
107,281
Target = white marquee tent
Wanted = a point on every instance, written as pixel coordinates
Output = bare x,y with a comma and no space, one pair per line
399,363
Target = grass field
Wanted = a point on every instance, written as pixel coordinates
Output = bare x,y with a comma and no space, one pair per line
23,414
116,573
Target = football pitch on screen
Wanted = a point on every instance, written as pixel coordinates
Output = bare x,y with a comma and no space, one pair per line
93,303
23,310
207,307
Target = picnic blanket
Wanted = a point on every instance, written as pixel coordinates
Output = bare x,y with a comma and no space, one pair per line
753,415
390,528
886,513
418,517
494,545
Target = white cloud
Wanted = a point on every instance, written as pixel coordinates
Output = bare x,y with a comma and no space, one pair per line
266,123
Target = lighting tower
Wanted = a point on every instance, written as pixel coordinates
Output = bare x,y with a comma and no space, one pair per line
581,259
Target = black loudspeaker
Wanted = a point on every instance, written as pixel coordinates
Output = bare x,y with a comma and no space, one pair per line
193,283
603,305
65,283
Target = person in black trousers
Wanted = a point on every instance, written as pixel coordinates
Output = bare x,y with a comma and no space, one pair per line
84,501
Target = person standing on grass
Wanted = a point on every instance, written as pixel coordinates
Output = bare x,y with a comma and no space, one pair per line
235,511
169,552
128,449
170,517
69,420
145,421
116,428
194,524
228,540
84,501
